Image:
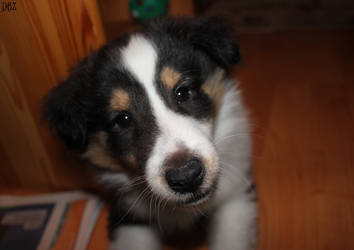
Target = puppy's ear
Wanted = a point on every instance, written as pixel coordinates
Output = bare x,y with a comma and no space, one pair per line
209,34
66,108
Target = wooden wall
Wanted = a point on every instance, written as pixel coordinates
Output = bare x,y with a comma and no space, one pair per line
39,42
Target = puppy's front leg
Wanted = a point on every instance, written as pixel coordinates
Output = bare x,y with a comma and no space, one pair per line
234,226
135,237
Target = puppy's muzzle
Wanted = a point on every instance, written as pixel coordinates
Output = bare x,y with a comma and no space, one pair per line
187,177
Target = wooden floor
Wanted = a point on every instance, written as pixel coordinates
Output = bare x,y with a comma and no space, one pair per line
299,87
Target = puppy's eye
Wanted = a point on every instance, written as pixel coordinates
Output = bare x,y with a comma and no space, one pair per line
123,120
182,94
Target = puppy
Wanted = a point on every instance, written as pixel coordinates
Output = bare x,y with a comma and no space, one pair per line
164,130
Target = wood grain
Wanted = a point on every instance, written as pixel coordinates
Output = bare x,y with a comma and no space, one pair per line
39,42
300,89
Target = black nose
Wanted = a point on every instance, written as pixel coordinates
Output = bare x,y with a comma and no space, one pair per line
186,178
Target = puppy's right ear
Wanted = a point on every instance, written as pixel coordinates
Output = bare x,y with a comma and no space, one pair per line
66,108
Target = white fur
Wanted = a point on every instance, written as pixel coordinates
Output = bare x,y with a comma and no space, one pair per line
233,226
176,131
232,140
135,238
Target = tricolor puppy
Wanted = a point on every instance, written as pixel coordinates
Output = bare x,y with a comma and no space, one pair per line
165,131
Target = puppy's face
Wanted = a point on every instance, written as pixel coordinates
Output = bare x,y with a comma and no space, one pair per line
144,106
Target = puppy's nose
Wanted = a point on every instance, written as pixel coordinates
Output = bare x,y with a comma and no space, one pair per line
186,178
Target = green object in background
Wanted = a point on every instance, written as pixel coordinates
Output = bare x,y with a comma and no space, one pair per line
147,9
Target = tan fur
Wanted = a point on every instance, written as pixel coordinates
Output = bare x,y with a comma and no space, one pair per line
131,160
170,77
214,88
97,152
209,164
120,100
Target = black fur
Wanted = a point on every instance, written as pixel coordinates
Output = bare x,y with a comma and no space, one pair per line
211,35
67,106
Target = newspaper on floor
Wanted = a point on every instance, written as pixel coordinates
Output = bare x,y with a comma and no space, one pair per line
34,222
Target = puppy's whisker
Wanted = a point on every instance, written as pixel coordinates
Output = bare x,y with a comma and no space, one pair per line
150,207
194,211
234,172
166,202
217,141
200,211
158,215
137,183
229,170
133,205
129,187
140,177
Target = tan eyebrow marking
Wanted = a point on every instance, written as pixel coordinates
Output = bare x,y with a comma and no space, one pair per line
169,77
120,100
214,88
98,154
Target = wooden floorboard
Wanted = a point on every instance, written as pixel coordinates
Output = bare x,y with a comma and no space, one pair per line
299,87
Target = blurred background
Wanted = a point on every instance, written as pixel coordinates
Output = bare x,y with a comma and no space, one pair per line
297,76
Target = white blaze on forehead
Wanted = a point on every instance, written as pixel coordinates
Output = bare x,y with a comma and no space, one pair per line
140,58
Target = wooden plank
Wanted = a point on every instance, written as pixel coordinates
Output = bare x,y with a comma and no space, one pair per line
19,138
39,42
300,85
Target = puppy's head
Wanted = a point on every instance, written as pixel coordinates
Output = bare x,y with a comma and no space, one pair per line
144,106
